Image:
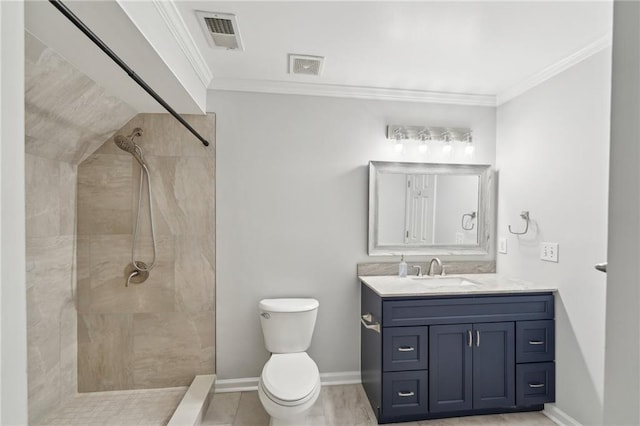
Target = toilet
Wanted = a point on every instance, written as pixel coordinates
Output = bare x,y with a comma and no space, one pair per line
290,381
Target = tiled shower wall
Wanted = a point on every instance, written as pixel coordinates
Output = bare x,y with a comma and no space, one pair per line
159,333
67,117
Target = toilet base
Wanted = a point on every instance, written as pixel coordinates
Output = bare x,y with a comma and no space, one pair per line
304,420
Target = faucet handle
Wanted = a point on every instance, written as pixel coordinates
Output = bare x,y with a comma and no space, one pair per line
419,269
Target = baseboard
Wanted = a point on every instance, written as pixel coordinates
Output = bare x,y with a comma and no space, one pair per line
558,416
251,383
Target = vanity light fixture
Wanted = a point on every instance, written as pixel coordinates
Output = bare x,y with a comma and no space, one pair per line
423,136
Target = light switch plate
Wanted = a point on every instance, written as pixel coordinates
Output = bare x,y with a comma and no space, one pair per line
502,245
549,252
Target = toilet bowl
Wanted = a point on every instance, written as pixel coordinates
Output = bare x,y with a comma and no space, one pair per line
290,381
289,386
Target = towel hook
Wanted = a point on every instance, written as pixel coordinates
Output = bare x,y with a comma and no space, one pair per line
471,216
525,216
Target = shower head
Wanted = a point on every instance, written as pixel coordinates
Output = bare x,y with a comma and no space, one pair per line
127,144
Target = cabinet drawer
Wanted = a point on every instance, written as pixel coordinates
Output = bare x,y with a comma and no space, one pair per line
535,341
535,383
405,393
405,348
465,309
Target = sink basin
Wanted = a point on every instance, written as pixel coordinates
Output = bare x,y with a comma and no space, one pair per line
446,282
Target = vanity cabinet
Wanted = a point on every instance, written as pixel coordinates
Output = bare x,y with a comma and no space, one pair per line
427,357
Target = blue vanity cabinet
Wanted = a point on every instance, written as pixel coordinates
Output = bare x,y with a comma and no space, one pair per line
427,357
472,366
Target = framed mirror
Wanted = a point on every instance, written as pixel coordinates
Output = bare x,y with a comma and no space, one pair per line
429,209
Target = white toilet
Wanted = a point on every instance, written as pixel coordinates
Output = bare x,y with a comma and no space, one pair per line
290,381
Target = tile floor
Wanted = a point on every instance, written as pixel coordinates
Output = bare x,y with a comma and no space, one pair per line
151,407
342,406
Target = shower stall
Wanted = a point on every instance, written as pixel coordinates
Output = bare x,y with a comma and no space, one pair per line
110,204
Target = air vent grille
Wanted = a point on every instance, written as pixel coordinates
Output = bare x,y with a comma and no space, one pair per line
220,29
305,64
219,26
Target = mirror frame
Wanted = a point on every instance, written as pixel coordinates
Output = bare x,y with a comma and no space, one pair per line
485,208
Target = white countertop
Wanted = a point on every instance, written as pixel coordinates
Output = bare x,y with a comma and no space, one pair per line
394,286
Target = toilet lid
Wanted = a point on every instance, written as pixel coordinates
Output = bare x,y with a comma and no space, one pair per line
290,377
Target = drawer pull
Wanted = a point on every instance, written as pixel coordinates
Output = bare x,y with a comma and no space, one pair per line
477,338
469,338
536,342
405,394
367,321
536,385
406,348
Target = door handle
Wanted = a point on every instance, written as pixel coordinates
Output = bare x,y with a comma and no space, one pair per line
602,267
477,338
469,338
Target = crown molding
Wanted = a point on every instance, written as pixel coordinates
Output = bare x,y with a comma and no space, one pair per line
554,69
172,18
358,92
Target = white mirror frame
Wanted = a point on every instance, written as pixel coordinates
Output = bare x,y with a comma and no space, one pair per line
485,208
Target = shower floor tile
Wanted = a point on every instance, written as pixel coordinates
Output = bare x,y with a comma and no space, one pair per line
151,407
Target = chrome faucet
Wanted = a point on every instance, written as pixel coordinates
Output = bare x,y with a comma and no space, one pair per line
430,270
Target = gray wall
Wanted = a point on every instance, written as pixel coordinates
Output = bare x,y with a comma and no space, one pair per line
552,156
292,210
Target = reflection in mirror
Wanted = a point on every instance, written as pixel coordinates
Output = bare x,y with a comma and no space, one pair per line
428,208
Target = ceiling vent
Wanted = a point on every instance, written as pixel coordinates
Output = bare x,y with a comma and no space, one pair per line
305,64
221,30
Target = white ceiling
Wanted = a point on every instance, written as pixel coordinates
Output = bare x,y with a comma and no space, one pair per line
481,48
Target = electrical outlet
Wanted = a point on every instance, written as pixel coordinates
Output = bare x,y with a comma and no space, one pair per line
502,245
549,252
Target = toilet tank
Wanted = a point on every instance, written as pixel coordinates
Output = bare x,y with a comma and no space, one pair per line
287,324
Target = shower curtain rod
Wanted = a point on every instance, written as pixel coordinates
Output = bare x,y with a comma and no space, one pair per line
94,38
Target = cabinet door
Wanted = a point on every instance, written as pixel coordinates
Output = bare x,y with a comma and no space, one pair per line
450,363
494,365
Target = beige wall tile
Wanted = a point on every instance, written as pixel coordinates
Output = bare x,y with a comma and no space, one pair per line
104,195
105,350
44,395
171,348
67,115
194,273
67,196
50,259
42,197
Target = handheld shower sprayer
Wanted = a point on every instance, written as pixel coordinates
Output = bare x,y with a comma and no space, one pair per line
138,271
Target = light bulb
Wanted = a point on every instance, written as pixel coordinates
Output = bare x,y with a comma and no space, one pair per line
468,150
